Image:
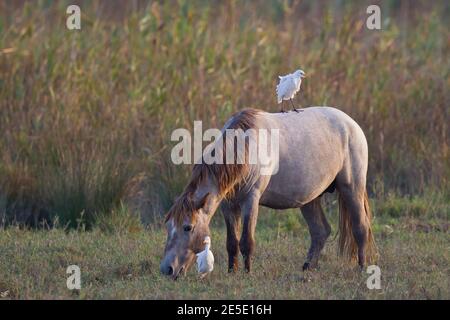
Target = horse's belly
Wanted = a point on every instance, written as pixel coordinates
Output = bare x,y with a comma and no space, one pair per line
302,177
284,194
275,200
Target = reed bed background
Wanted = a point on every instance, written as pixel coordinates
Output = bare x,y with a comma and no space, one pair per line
86,116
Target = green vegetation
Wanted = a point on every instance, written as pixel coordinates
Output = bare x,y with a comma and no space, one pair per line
86,118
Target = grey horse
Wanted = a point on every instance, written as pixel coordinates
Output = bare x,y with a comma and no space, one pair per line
320,149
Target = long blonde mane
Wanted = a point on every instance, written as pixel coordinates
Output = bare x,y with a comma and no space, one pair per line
227,176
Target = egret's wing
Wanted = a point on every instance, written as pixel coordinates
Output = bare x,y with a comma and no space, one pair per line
200,260
280,92
286,89
281,87
199,266
279,96
284,78
204,267
210,261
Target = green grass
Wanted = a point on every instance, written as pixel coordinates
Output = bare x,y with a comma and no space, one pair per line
124,264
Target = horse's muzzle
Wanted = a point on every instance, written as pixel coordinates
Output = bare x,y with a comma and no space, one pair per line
166,269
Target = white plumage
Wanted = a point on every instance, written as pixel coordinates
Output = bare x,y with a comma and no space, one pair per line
289,85
205,259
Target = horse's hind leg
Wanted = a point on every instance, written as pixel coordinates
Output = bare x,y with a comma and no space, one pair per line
353,204
232,215
319,230
355,225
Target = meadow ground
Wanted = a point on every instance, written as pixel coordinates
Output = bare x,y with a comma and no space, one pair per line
86,118
124,263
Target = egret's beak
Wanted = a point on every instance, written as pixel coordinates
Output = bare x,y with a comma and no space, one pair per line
304,75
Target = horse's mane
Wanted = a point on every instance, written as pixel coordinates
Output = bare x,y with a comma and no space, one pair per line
227,176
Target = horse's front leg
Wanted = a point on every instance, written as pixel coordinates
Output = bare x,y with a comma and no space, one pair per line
250,214
232,215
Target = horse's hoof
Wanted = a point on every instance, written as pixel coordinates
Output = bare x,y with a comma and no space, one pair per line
306,266
295,110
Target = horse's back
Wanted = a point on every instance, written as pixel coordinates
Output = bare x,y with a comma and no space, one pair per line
312,117
317,127
313,147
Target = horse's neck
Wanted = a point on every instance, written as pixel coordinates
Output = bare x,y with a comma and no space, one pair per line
213,200
211,205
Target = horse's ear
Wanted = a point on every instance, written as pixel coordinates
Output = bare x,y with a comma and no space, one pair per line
200,203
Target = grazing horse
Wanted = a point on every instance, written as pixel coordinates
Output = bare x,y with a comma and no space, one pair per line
320,149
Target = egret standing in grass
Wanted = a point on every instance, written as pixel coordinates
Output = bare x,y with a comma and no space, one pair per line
205,259
289,85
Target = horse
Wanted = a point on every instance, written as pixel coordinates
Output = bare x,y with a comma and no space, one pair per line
320,149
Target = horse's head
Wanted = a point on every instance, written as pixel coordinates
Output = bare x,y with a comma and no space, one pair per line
187,222
187,225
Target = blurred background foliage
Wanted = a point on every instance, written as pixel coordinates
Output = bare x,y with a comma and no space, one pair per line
86,116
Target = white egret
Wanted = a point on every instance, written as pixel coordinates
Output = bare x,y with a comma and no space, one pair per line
205,259
288,86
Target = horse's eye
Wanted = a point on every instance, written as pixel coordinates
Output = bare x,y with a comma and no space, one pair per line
188,227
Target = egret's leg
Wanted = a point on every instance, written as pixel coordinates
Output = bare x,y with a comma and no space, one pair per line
293,107
319,230
282,109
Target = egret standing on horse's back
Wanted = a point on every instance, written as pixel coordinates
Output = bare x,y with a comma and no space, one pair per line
288,86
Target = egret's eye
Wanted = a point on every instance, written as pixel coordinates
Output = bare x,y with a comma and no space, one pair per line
188,227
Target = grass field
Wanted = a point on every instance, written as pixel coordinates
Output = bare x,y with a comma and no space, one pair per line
86,118
124,263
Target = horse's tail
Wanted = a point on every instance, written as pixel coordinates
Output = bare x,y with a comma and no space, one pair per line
347,243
